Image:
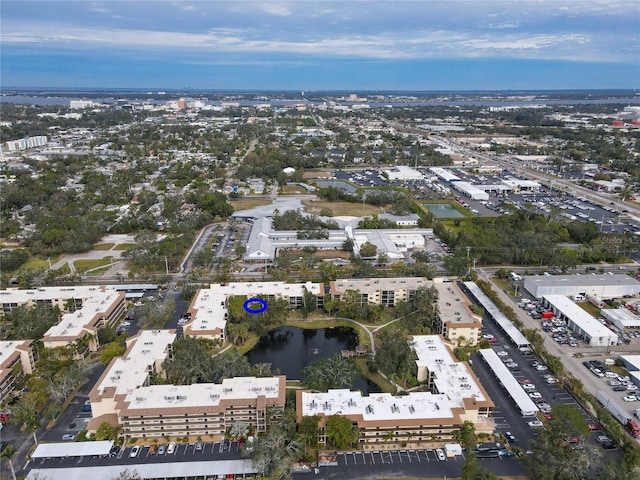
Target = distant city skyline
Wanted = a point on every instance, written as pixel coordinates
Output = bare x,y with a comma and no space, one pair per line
321,45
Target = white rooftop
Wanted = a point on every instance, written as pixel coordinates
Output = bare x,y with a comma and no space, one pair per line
621,316
8,348
580,317
129,372
72,449
379,406
453,378
199,394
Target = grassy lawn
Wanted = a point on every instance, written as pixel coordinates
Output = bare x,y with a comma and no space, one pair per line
84,265
340,209
98,272
124,246
317,174
293,190
590,308
375,377
35,263
324,254
248,203
103,246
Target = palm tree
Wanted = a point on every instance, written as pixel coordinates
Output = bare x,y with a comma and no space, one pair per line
7,453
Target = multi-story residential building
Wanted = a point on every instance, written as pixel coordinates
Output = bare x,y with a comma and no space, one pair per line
379,291
83,311
16,360
208,311
454,320
124,396
455,395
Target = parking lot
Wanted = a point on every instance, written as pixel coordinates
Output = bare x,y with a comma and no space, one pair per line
392,457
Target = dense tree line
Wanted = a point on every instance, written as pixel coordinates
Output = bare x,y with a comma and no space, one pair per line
294,220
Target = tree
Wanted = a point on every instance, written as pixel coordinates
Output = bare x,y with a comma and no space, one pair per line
239,430
308,430
63,383
275,451
368,250
394,356
107,432
383,258
347,245
328,373
7,453
553,456
111,351
340,431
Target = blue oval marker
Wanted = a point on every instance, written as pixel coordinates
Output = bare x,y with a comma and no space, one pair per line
253,311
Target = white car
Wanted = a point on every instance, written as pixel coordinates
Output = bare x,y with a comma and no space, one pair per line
541,368
440,454
535,395
529,386
535,424
502,353
135,451
632,388
630,398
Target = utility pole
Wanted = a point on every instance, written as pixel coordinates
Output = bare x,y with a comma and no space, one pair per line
166,265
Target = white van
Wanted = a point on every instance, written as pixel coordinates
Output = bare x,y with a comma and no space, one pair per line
171,448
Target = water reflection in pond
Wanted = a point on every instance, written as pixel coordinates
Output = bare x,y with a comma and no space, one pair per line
290,349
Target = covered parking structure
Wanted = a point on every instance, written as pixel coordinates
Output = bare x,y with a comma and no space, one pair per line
72,449
582,323
507,380
507,326
152,471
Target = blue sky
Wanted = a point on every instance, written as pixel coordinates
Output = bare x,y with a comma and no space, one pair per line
306,45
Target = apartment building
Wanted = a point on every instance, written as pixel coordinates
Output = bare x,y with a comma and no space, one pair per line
455,395
208,311
454,320
83,311
124,396
16,361
379,291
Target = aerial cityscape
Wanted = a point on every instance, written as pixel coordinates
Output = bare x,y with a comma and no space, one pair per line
328,239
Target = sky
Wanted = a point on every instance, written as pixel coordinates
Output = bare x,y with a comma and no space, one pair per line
321,45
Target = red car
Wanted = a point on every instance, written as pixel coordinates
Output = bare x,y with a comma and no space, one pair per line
595,426
525,381
548,416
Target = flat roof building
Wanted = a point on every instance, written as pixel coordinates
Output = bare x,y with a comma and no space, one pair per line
84,310
124,396
454,320
603,285
379,291
582,323
383,418
621,318
16,361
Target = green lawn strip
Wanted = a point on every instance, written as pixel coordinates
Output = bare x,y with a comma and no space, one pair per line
124,246
36,263
85,265
374,377
103,246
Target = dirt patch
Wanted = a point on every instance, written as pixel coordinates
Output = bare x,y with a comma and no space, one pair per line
341,209
248,203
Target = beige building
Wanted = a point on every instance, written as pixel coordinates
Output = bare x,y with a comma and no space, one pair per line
123,396
455,395
454,320
84,310
16,361
208,311
380,291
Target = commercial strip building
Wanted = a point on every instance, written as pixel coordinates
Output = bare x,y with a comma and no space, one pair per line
455,396
16,361
454,320
603,286
632,364
521,398
582,323
621,317
124,396
84,311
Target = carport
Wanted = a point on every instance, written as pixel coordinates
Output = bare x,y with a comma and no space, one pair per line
514,389
505,324
72,449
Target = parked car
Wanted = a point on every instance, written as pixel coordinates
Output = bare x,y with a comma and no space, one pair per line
199,446
153,449
162,449
171,448
440,454
629,398
510,437
135,451
68,437
535,424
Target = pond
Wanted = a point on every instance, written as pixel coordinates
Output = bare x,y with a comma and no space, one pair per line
443,210
290,349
